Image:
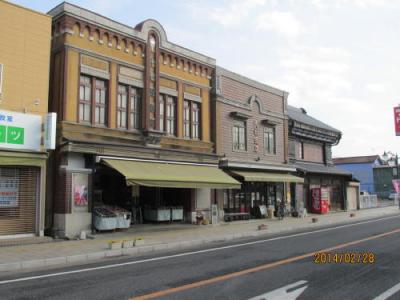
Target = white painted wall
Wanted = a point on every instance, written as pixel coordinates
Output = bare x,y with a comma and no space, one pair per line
203,198
203,202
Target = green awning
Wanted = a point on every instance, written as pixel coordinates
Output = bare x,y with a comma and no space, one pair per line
172,175
23,159
268,177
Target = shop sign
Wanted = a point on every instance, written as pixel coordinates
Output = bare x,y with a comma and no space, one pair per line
396,111
80,191
396,185
50,131
20,131
8,192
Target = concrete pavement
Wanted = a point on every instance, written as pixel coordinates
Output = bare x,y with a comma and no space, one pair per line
164,238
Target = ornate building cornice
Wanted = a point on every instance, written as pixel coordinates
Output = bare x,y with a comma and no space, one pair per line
123,33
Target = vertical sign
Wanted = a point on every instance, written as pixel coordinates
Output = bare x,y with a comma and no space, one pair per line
50,131
396,185
397,120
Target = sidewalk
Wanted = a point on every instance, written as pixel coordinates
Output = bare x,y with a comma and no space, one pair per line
163,238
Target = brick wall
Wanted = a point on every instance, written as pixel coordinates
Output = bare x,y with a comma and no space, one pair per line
232,91
63,191
236,90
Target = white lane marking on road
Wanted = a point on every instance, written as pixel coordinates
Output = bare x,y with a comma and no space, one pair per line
283,294
190,253
390,292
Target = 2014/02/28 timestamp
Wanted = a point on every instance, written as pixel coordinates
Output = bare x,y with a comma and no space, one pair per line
344,257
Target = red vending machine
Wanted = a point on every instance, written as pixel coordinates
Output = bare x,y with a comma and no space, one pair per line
320,200
324,200
316,200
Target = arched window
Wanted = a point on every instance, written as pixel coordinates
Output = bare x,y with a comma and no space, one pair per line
152,42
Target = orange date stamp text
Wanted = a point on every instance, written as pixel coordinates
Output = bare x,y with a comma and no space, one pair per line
344,258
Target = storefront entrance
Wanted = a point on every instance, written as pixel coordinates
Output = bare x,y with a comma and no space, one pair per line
261,190
335,188
144,204
148,191
251,196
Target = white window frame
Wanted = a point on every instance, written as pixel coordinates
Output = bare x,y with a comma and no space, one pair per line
236,136
269,149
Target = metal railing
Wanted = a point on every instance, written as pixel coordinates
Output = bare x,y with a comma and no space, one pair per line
368,201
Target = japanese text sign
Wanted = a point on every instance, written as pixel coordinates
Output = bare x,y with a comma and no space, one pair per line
20,131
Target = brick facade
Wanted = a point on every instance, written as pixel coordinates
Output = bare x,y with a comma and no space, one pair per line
258,107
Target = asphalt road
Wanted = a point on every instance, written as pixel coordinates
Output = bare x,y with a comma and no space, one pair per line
276,266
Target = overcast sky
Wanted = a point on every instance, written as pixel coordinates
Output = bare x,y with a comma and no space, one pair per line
340,60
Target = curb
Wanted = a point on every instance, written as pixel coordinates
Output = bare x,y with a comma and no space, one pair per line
91,257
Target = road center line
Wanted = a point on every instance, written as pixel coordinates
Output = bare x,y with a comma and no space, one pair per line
192,252
390,292
216,279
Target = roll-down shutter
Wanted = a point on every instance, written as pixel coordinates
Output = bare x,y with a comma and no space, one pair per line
19,196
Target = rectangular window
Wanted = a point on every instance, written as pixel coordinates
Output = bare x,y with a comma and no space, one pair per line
239,136
191,119
162,112
269,140
301,150
186,119
195,120
122,107
171,115
128,112
134,108
168,114
92,100
85,99
100,102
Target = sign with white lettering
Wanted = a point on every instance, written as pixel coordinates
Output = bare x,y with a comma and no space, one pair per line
20,131
396,111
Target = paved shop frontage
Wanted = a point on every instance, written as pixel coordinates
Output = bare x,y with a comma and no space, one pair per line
162,237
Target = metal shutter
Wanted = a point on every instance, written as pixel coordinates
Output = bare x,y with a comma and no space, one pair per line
19,198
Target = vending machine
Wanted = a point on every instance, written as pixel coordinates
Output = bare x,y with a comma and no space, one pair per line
320,200
325,200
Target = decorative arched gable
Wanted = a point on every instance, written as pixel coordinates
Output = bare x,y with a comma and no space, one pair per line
152,25
254,99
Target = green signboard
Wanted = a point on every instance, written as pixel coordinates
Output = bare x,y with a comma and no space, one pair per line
15,135
3,130
20,131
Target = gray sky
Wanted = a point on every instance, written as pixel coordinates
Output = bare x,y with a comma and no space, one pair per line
339,59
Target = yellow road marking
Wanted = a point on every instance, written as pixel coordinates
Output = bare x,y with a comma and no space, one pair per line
256,269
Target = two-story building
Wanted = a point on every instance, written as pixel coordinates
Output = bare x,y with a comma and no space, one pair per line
362,169
250,129
24,75
134,122
310,151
